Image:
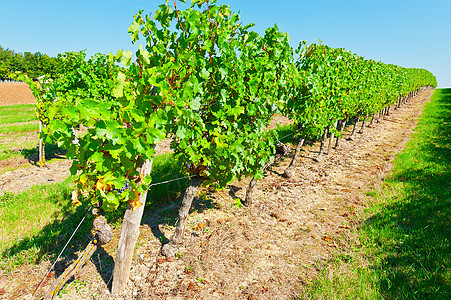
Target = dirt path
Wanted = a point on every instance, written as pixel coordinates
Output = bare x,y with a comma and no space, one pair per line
269,251
26,177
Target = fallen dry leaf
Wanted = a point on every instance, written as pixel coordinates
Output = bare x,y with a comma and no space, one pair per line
200,226
273,214
160,260
327,238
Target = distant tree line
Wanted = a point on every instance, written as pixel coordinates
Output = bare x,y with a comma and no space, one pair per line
31,64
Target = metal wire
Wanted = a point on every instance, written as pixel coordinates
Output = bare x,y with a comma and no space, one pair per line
171,180
64,248
286,136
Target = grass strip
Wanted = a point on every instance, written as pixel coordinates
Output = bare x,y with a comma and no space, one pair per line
17,113
34,224
404,245
18,145
17,128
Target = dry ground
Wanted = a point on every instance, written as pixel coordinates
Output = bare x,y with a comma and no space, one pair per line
12,93
271,250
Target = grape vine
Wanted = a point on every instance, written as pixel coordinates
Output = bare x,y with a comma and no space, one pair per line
212,85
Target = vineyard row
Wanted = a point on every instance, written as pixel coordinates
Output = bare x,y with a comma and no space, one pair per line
213,85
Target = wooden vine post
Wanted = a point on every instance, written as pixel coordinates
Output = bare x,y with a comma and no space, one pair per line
128,238
41,148
41,157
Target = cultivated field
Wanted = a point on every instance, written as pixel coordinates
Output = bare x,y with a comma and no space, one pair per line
12,93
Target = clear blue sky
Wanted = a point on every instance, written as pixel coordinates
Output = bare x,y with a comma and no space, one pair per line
409,33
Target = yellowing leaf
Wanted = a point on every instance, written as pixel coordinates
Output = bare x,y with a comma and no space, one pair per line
134,202
200,226
101,185
75,200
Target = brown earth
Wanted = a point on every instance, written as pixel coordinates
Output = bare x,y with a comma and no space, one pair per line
271,250
27,175
12,93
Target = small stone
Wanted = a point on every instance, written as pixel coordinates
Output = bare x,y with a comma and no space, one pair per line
169,250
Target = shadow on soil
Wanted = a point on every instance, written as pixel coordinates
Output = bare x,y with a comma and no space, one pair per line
417,258
51,152
165,212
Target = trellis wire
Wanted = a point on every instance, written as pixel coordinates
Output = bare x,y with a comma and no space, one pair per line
84,217
64,248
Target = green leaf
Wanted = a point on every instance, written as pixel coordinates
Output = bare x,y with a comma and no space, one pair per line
127,58
118,90
144,54
196,103
134,31
204,73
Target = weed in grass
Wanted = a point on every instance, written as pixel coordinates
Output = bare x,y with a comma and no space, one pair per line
7,197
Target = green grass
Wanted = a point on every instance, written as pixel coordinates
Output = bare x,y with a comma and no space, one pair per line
286,133
12,118
17,113
17,137
35,224
16,145
17,128
404,250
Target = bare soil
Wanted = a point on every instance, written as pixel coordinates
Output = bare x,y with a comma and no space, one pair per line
27,175
271,250
12,93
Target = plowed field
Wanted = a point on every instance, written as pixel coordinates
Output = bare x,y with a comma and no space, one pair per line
12,93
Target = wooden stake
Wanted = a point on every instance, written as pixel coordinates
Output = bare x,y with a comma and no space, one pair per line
128,238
